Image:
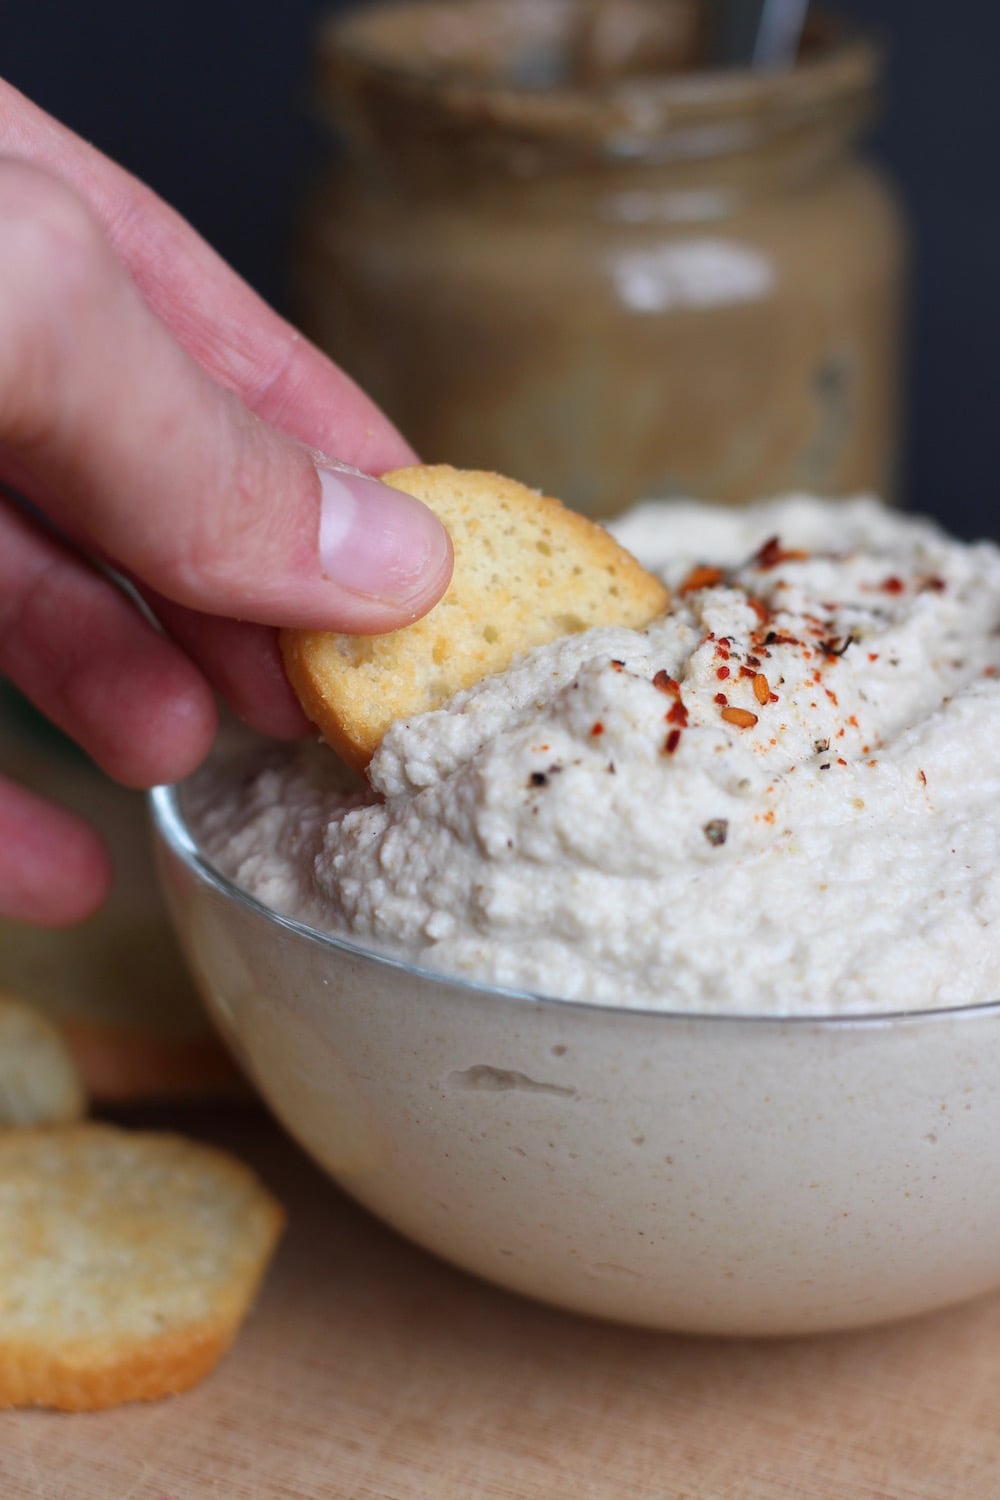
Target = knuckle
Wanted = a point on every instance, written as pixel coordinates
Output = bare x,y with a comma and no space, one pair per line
232,553
43,216
204,558
51,250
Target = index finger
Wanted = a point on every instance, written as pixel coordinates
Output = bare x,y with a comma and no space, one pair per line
211,311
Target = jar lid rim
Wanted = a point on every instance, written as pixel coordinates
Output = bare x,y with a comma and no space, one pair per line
844,64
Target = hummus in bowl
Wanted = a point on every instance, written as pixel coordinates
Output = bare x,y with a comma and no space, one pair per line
656,977
783,797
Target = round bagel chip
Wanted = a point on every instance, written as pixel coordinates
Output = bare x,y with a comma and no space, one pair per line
527,571
128,1261
39,1081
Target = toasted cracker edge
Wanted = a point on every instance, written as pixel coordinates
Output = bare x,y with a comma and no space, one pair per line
78,1377
352,739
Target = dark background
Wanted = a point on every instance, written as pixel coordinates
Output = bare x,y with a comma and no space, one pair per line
207,100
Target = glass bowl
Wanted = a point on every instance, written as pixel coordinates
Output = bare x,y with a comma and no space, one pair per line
737,1175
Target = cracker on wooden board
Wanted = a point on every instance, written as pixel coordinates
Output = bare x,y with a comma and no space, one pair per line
128,1261
527,571
39,1081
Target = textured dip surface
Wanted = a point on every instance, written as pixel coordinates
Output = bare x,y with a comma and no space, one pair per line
782,798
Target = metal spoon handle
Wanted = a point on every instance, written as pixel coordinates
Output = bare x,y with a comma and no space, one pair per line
758,33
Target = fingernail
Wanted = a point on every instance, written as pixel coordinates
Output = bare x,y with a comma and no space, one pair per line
376,541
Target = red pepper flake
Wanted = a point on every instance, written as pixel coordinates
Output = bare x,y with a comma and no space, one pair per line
678,714
722,673
747,672
772,698
721,698
893,585
772,553
853,721
702,578
933,583
761,689
760,609
664,683
741,717
922,778
597,728
991,671
831,695
841,762
753,661
619,666
873,656
671,742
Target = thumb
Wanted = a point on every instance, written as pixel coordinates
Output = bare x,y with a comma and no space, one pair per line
139,455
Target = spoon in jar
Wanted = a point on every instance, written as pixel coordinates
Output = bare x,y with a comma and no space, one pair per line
757,33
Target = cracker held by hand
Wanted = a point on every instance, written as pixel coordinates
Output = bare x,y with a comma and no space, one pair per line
127,1263
39,1082
527,571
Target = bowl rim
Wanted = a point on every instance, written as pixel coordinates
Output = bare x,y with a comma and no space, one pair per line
171,826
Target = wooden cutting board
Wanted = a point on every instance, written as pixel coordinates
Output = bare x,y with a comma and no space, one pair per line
370,1371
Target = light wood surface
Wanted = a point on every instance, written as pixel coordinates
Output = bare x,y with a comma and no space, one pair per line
370,1371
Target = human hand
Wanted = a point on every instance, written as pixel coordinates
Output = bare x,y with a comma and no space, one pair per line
173,427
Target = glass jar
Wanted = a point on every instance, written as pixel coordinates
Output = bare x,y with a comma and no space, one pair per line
606,282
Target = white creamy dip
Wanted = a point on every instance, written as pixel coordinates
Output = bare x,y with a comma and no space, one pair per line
782,797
